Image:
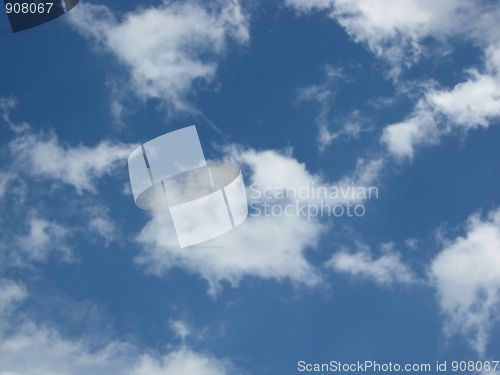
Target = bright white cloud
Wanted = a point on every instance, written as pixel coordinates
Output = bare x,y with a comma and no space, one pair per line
421,128
387,269
467,278
167,49
394,29
470,104
263,246
42,155
269,244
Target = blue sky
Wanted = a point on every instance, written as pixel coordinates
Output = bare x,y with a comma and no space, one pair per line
398,95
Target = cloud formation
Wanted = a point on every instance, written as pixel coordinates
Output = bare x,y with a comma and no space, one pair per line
396,33
43,237
398,36
465,275
42,155
263,246
30,348
387,269
168,50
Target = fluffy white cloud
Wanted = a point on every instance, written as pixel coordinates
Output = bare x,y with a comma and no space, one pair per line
421,128
387,269
472,103
467,278
42,155
269,244
29,348
169,48
37,350
468,105
394,29
263,246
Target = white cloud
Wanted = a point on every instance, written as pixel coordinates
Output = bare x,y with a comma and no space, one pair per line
467,278
182,361
366,172
266,247
269,244
263,246
32,349
395,34
29,348
467,106
167,49
329,127
101,223
420,128
472,103
42,238
387,269
398,36
412,243
7,104
105,227
10,294
42,155
37,350
180,329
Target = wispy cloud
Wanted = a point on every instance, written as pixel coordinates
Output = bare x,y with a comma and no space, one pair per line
43,237
330,126
387,269
398,36
42,155
29,347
